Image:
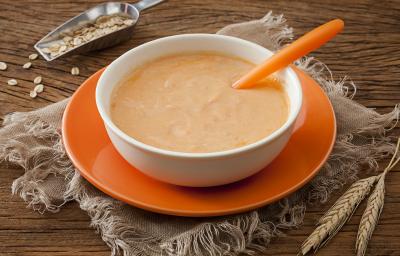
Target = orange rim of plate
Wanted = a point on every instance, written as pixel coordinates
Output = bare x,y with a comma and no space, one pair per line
92,153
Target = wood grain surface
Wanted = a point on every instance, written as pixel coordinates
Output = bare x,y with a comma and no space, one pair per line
368,51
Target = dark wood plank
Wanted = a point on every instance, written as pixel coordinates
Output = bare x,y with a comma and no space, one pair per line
367,51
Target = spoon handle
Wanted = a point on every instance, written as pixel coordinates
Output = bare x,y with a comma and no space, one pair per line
299,48
144,4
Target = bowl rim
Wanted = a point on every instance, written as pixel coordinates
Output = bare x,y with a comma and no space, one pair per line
170,153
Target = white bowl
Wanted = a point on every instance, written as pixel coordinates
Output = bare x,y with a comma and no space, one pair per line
196,169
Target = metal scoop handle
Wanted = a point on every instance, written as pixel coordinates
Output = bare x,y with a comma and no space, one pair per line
144,4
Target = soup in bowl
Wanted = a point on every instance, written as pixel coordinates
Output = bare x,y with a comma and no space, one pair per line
169,110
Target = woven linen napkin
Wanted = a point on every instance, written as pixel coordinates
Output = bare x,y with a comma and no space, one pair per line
33,141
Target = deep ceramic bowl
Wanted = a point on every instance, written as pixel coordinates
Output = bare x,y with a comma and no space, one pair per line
196,169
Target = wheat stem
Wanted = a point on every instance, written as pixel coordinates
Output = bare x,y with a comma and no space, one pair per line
391,167
391,164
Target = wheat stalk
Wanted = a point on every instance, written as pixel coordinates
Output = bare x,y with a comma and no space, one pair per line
344,207
338,214
370,217
372,212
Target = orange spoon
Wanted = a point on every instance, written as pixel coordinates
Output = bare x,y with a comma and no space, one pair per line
302,46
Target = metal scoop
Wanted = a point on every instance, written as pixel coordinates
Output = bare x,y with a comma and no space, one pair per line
130,11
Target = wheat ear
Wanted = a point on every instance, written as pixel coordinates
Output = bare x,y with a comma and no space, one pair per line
375,203
338,214
344,207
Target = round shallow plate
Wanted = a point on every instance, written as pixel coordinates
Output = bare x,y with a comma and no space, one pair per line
91,151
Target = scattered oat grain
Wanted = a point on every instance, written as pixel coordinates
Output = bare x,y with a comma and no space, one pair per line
27,65
75,71
12,82
37,80
33,56
33,94
39,88
3,65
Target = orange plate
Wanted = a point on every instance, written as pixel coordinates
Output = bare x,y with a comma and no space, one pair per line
91,151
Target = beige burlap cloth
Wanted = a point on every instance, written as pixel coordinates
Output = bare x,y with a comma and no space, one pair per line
32,141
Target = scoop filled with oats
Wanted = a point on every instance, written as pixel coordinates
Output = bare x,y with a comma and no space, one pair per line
102,26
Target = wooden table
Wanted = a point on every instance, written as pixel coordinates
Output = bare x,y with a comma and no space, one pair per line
368,51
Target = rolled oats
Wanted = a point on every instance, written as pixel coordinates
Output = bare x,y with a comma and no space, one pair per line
3,65
84,33
39,88
75,71
33,56
33,94
27,65
37,80
12,82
